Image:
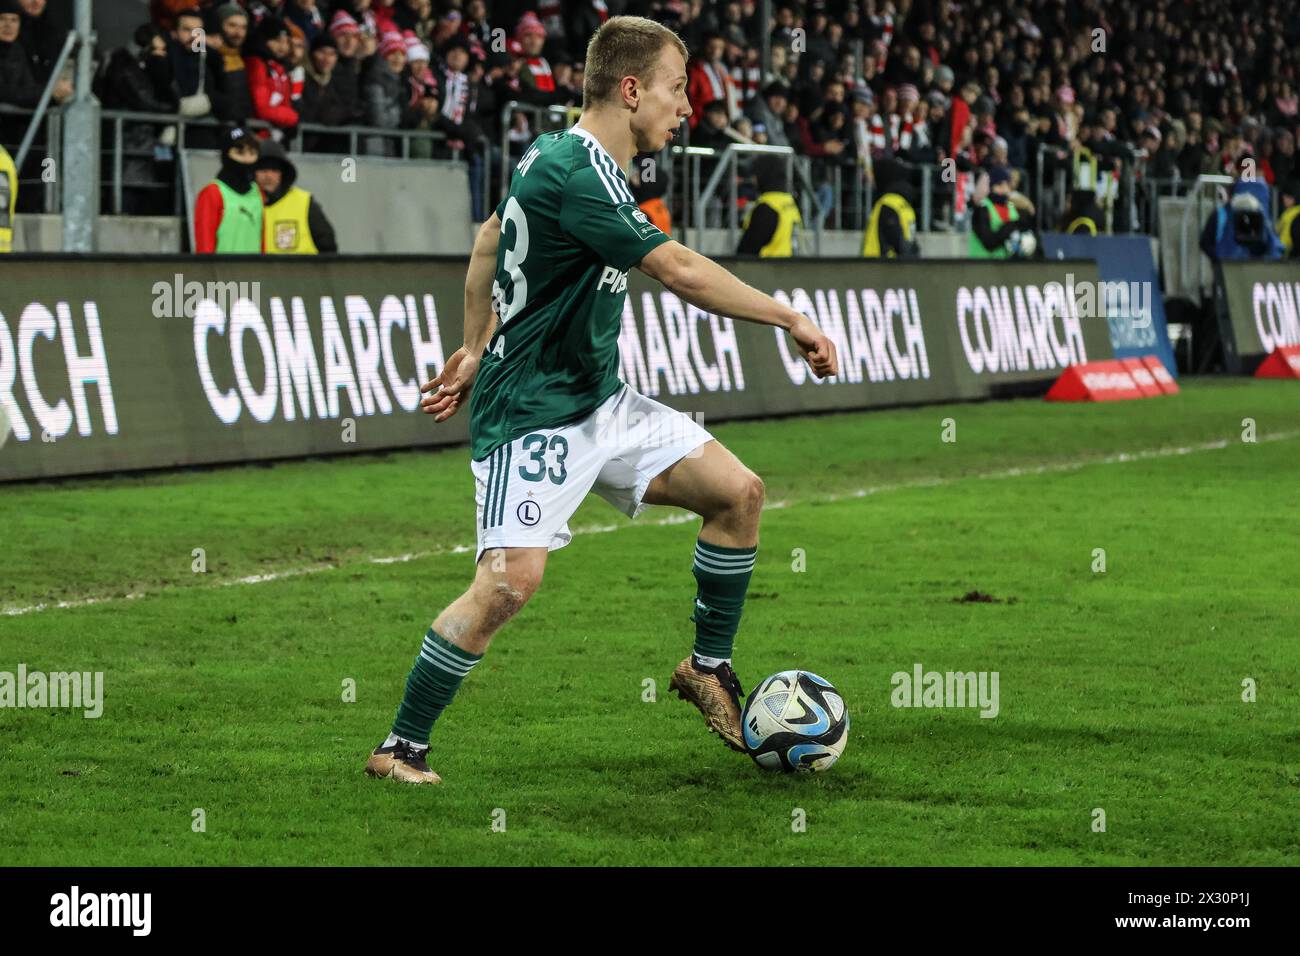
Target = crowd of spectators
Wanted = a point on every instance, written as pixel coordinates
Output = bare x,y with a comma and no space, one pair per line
1180,87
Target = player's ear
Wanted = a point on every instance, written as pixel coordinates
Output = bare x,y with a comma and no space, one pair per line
631,89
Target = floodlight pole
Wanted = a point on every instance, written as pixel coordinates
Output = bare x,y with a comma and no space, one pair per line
80,161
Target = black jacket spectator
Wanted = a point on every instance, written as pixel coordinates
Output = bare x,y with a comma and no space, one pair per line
18,83
44,34
139,78
329,96
228,87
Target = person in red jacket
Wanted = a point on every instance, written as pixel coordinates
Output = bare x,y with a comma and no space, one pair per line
269,83
710,80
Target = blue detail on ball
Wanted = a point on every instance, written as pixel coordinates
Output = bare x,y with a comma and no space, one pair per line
796,754
822,725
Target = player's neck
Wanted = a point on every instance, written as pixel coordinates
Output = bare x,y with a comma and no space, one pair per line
611,129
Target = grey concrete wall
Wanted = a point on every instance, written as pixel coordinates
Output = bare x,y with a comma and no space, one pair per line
379,205
138,234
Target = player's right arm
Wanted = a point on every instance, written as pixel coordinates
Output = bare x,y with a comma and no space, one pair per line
446,393
706,285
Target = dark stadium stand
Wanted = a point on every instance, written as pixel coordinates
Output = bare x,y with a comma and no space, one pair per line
1134,103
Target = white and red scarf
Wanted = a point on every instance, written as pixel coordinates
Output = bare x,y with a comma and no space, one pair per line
543,78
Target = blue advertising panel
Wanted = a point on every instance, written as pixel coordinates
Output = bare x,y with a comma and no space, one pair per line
1130,290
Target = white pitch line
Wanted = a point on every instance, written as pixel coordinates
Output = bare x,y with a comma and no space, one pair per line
685,518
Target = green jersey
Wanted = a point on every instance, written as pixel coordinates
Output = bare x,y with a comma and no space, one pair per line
570,231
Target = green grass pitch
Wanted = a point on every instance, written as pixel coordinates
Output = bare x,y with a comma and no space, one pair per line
1120,690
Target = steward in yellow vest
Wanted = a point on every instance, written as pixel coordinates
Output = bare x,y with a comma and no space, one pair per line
1082,217
293,222
1288,223
772,222
8,200
891,230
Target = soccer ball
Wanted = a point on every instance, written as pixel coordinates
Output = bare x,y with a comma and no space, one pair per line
795,721
1023,244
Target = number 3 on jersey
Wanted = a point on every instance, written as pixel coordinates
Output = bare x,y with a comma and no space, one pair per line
513,264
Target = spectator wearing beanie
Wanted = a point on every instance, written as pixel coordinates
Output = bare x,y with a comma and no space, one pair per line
385,93
268,75
536,79
360,12
419,72
231,99
347,72
328,99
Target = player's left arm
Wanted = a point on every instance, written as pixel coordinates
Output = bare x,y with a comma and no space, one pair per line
446,393
706,285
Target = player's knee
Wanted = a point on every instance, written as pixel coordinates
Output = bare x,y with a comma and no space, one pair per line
501,602
506,595
752,493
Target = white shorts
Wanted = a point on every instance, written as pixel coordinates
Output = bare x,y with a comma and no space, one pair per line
526,491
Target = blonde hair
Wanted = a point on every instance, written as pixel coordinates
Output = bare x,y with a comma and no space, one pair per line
624,46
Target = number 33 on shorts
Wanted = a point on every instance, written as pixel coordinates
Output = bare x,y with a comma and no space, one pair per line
519,486
528,489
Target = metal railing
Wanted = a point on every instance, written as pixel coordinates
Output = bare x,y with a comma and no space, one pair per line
728,164
557,117
52,118
117,153
69,42
1050,201
860,200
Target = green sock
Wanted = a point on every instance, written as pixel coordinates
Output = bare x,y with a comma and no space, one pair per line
723,575
431,685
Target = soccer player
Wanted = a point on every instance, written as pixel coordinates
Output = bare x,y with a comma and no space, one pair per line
549,418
